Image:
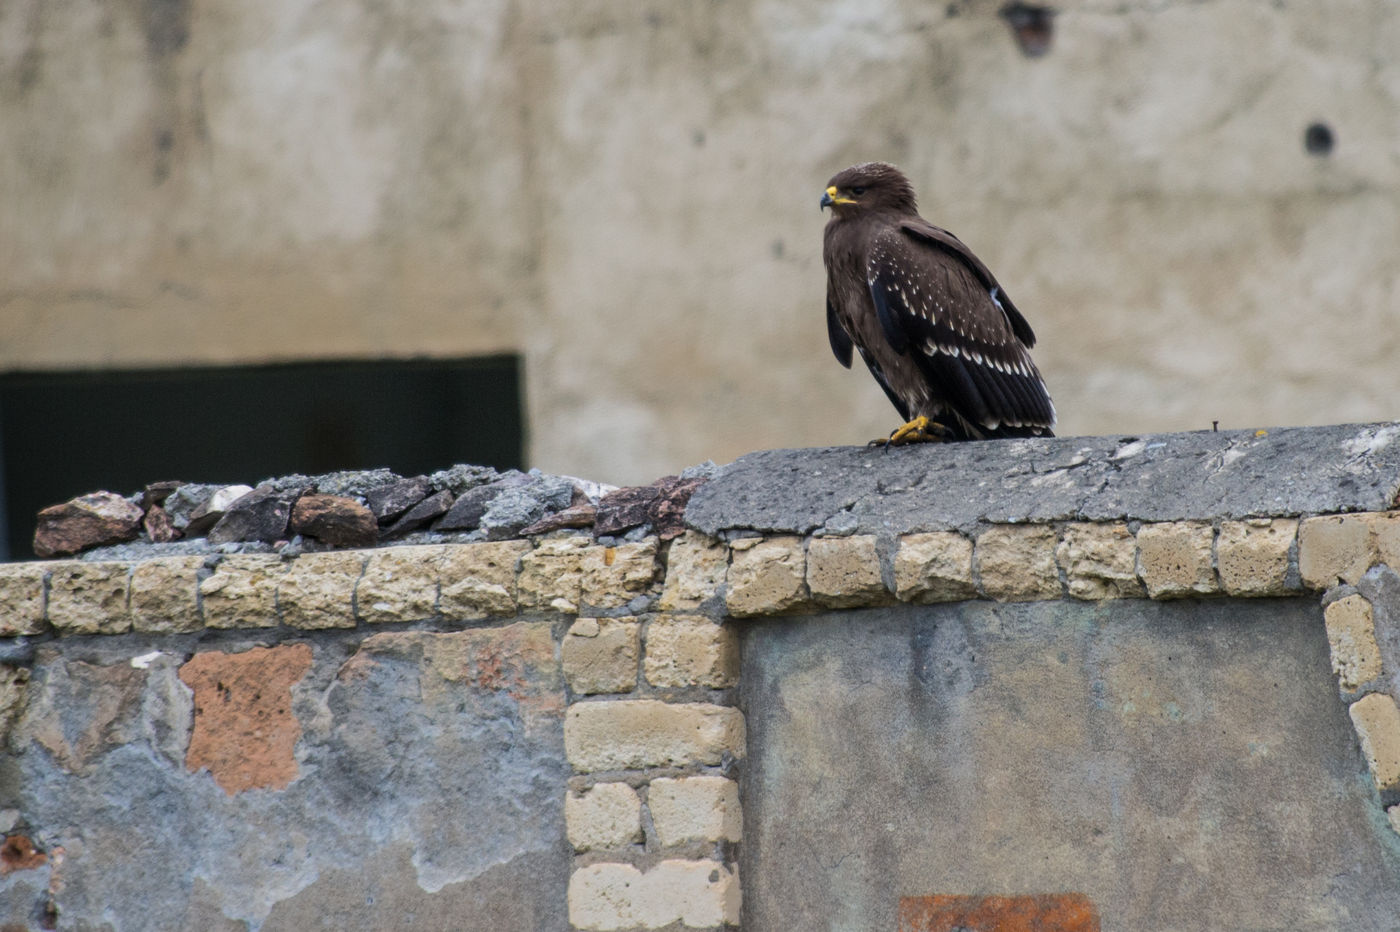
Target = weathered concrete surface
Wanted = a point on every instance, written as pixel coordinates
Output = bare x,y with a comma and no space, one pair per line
1164,477
426,792
1185,765
625,192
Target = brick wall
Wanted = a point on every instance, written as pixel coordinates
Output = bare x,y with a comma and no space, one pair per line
241,678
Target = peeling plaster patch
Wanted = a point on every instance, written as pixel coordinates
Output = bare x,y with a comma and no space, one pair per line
145,660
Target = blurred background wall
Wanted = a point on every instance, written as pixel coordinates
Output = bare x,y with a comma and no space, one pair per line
1197,205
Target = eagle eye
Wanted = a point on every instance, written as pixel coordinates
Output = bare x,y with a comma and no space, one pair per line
858,190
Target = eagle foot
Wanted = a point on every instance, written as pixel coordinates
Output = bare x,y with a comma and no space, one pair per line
918,430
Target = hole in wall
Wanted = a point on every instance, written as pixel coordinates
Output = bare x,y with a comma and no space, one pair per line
1318,139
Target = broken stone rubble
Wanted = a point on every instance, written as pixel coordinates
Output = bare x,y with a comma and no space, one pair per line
294,514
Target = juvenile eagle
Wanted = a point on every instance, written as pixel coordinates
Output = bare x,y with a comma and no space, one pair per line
936,330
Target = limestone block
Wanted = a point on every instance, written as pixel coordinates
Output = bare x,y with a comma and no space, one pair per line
1016,563
614,576
1100,561
934,567
89,598
1385,538
844,572
399,584
635,733
766,577
165,595
608,815
1174,559
691,650
478,580
1333,548
1252,556
21,598
697,894
1377,723
1351,632
318,590
702,808
600,655
242,592
695,568
551,575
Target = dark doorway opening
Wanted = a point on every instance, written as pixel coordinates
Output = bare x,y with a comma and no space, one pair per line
66,433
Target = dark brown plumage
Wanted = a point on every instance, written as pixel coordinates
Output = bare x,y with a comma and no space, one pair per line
929,320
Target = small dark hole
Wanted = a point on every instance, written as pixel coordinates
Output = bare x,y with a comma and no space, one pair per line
1318,139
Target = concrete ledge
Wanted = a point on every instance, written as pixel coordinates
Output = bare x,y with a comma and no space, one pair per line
1202,475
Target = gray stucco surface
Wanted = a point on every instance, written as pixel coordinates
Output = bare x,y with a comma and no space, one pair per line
1163,477
1187,766
422,800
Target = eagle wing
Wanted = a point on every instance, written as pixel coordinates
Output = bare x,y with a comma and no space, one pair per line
939,304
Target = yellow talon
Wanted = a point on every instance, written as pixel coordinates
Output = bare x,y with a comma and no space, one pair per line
918,430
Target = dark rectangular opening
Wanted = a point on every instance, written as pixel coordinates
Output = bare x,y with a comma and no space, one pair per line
66,433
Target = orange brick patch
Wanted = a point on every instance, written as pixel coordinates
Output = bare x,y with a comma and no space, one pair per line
1045,912
244,730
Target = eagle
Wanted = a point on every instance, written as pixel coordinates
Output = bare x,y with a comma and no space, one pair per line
930,321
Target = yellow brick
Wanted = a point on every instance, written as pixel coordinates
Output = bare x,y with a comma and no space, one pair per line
614,576
242,592
600,655
1016,563
767,577
478,580
165,595
1377,723
626,734
695,569
1174,559
318,590
400,584
844,572
1253,556
21,598
1351,633
691,650
1099,561
89,598
934,567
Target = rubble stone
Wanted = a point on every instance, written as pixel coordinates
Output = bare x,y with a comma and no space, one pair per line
86,521
335,519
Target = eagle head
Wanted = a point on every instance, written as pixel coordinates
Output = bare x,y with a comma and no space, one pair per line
869,186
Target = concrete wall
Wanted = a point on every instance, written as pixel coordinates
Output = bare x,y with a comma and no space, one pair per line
626,194
848,711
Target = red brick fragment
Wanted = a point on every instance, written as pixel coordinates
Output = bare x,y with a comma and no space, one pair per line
17,853
244,730
1045,912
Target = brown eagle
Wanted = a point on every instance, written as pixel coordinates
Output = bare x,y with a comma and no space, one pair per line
936,330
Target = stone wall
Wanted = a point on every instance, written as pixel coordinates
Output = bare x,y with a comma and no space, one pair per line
577,730
625,194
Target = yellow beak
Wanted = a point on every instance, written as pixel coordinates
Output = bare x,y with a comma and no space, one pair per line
833,197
